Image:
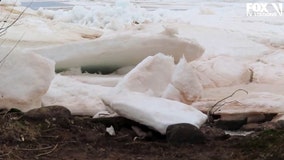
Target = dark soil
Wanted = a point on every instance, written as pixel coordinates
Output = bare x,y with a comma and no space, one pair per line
80,138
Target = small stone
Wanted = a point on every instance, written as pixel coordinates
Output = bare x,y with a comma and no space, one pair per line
49,112
214,133
184,133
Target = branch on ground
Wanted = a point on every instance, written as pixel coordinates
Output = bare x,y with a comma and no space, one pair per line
215,107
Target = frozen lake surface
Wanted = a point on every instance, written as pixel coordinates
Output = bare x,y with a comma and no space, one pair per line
46,4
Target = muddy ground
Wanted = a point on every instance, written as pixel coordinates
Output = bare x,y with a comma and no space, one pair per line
58,135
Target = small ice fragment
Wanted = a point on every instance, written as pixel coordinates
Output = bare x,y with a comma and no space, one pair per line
110,130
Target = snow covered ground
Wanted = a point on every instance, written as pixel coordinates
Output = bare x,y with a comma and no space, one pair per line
235,51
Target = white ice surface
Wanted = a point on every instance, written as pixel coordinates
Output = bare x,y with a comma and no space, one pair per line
269,68
25,78
221,71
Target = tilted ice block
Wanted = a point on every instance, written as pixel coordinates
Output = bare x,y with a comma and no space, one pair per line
185,85
151,76
157,113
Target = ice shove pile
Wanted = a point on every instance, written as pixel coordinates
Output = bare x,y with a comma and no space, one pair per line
122,14
138,96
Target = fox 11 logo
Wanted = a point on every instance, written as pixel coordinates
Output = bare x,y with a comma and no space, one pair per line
264,9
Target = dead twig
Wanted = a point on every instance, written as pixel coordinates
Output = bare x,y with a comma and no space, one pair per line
46,153
210,112
4,28
34,149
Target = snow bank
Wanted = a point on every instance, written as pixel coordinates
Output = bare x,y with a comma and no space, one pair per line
24,79
150,76
221,71
111,52
79,98
185,86
157,113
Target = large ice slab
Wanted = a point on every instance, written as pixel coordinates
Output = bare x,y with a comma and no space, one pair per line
111,52
150,76
80,98
157,113
24,79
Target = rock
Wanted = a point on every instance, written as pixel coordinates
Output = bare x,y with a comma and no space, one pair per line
48,113
184,133
25,79
214,133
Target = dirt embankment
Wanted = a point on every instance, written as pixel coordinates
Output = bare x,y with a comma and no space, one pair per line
58,135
